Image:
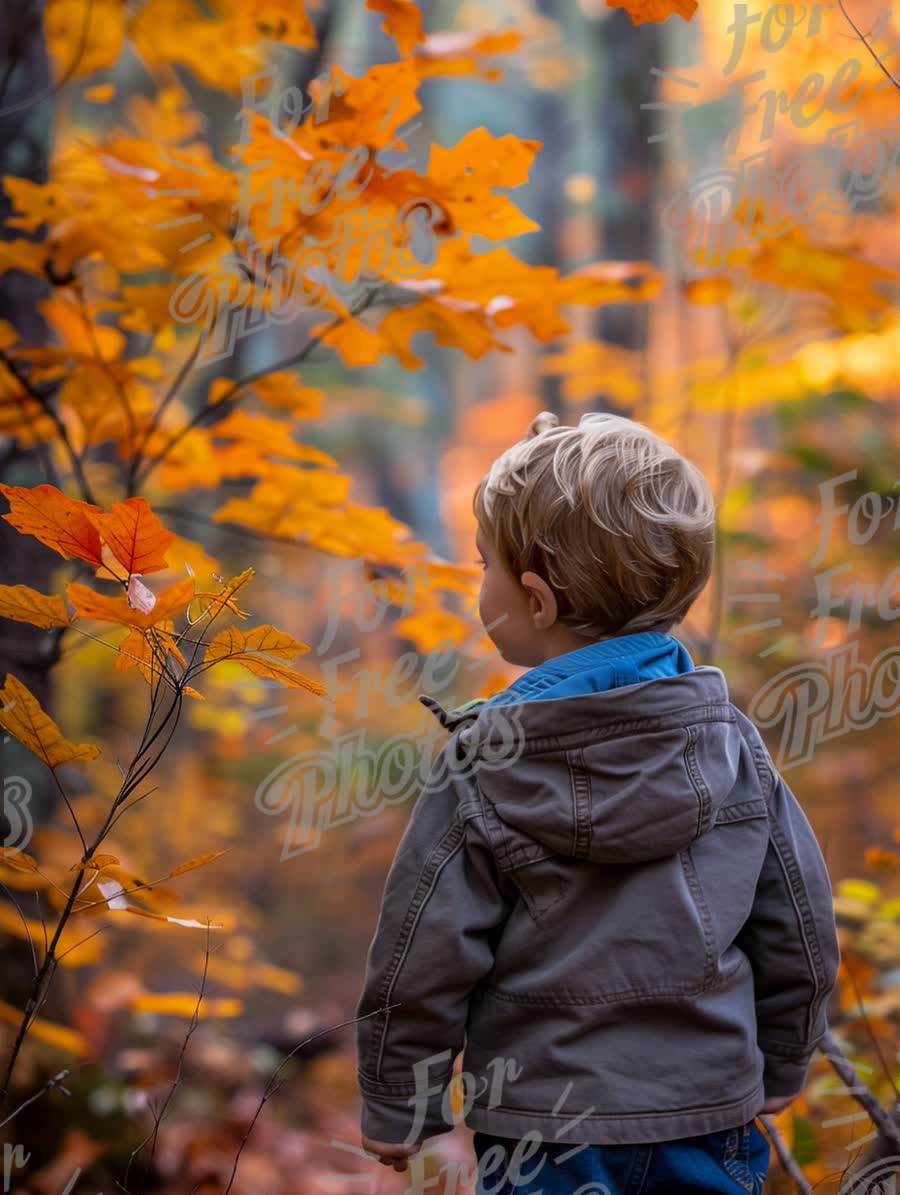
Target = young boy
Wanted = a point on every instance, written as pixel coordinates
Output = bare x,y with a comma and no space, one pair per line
606,893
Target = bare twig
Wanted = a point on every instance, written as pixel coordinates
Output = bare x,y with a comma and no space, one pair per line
61,429
862,37
67,74
270,1090
177,383
153,1135
785,1157
15,903
56,1081
233,390
889,1131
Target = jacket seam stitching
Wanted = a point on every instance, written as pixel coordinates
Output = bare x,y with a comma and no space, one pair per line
812,948
431,870
758,752
785,1051
562,996
581,801
738,811
592,734
696,778
655,1113
709,941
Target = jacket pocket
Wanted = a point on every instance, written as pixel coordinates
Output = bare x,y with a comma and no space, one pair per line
542,884
611,933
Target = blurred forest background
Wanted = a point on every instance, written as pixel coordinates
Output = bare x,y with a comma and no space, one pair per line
589,251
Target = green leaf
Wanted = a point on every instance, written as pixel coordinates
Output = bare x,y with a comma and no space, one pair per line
806,1147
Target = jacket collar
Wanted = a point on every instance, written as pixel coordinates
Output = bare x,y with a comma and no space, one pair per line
595,667
611,663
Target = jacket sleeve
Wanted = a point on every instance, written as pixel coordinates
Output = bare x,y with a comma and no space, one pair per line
443,910
792,943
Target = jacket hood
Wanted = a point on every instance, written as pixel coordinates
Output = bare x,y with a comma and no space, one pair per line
625,775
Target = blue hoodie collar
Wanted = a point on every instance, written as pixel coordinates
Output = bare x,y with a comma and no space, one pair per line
608,664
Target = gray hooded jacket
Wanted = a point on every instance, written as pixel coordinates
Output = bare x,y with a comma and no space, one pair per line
617,906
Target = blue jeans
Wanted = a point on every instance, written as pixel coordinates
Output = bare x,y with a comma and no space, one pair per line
731,1161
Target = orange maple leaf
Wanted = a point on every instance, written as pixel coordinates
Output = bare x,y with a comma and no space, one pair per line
60,522
655,11
452,52
24,604
90,604
135,536
403,22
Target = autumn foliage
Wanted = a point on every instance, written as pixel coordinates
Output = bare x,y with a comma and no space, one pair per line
159,253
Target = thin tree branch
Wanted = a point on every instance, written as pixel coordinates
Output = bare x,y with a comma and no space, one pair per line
178,382
270,1090
889,1131
15,903
61,429
862,37
70,70
56,1081
153,1135
785,1157
233,390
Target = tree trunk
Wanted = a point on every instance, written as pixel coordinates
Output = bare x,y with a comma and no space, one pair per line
25,109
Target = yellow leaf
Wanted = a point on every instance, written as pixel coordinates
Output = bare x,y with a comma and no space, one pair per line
244,974
274,670
176,1004
23,604
23,717
859,890
17,859
403,22
96,864
878,857
284,391
431,628
233,644
83,36
59,1036
101,94
264,638
267,975
192,864
706,291
28,256
19,927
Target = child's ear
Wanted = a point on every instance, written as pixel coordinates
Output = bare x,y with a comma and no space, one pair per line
541,601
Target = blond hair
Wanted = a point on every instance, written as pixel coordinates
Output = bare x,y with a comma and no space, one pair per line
619,524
